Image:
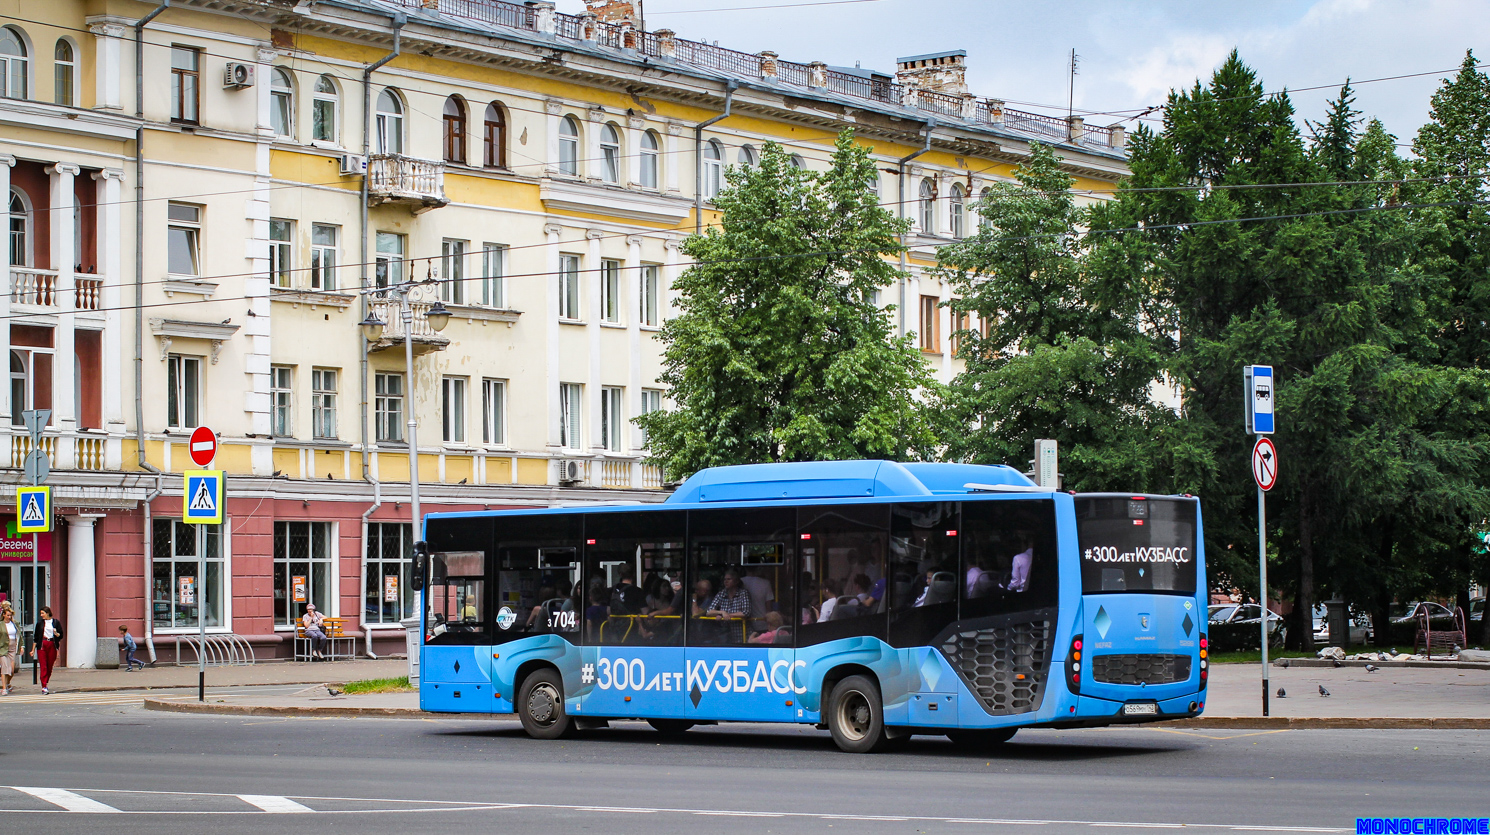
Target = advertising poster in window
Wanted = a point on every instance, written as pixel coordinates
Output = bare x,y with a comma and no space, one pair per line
390,588
187,590
297,583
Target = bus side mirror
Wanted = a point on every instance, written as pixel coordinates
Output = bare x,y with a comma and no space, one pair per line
421,565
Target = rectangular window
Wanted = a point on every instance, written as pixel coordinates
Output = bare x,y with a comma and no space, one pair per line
30,381
304,570
1136,545
183,391
923,561
493,275
453,266
651,402
612,417
1009,558
324,239
453,409
390,565
388,405
455,600
649,550
177,593
494,412
843,552
281,378
281,266
960,326
183,237
538,575
569,287
571,415
186,65
323,402
389,269
651,293
929,333
610,291
741,564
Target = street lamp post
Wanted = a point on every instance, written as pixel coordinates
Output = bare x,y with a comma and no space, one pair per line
372,329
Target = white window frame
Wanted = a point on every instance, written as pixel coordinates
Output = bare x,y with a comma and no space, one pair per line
746,157
454,393
282,102
651,402
15,70
187,411
610,154
494,412
69,68
610,291
494,275
572,415
189,231
324,383
388,260
324,257
325,111
282,252
958,210
649,308
649,163
570,308
927,205
27,378
612,418
569,136
453,254
282,400
389,126
389,402
19,236
713,169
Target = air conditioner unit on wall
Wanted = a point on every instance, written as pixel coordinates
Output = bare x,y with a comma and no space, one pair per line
353,164
237,75
571,472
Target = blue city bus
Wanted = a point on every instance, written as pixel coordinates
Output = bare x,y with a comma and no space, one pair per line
873,599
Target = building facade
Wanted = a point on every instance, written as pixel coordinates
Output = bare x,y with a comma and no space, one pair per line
203,246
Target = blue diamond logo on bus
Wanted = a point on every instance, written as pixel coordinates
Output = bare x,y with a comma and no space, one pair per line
1102,622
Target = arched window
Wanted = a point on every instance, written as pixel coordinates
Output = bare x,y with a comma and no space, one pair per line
494,137
610,154
569,146
19,239
746,157
14,65
281,102
928,207
798,163
64,73
957,210
390,123
455,129
713,168
323,110
648,160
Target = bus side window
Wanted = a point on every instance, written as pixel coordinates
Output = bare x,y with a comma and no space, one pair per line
743,569
843,552
923,571
636,592
457,598
1008,557
537,575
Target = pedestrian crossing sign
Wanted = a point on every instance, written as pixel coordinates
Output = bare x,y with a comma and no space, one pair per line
33,510
202,497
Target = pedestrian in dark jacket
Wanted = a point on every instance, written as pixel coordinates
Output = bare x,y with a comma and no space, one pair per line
47,640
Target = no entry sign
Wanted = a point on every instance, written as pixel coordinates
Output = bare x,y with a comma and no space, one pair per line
203,446
1265,463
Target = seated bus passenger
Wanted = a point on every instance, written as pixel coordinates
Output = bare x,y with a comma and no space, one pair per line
538,618
732,603
1019,571
703,594
776,631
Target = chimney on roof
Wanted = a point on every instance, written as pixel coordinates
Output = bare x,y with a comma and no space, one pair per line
613,11
939,72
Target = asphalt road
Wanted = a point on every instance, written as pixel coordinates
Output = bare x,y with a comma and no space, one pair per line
122,769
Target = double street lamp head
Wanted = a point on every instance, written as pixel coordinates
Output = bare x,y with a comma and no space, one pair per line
438,316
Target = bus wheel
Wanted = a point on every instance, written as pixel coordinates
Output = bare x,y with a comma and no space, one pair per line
541,706
981,738
670,726
857,716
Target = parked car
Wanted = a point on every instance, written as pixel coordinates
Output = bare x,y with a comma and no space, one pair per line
1239,616
1360,625
1436,611
1477,609
1221,612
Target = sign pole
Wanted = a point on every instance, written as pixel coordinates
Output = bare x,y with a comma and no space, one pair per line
34,600
201,613
1262,575
202,507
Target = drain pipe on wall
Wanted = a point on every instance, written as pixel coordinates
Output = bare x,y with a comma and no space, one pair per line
377,503
147,545
398,19
698,155
930,126
140,263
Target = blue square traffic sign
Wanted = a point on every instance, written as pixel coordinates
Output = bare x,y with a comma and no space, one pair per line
202,497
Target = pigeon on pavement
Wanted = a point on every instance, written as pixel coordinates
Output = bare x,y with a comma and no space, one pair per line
1282,694
1337,663
1283,662
1371,668
1322,691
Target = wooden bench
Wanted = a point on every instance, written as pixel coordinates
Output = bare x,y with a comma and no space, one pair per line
1445,636
339,645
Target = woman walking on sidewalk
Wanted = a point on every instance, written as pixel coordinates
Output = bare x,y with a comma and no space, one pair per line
10,644
48,638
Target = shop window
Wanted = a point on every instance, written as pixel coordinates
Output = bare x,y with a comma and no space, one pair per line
304,570
388,597
178,594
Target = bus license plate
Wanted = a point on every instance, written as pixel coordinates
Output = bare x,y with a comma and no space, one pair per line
1145,709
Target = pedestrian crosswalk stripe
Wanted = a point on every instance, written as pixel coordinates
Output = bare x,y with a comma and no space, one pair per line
70,801
274,803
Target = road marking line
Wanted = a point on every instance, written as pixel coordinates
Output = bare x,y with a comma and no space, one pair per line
66,799
1233,736
274,803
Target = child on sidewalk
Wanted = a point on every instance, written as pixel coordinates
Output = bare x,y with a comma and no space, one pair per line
129,650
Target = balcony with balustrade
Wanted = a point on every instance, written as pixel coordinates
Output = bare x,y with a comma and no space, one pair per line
395,330
416,183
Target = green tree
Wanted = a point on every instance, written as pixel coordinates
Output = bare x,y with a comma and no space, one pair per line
779,351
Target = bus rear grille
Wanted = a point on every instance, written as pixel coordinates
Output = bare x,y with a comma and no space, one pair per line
1006,666
1140,669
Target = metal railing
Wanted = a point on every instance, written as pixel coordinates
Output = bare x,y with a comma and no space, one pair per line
398,176
941,103
33,286
221,650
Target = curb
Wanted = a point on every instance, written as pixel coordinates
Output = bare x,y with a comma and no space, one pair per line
1328,662
1267,723
149,687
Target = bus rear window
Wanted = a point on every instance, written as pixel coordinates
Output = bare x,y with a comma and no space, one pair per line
1131,544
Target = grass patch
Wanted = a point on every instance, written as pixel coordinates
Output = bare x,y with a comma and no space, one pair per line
379,685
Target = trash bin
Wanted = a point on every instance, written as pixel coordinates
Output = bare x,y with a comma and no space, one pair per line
415,641
1337,618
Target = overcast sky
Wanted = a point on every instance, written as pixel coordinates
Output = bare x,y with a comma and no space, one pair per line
1131,53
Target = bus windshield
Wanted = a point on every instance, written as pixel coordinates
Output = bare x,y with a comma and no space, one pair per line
1136,544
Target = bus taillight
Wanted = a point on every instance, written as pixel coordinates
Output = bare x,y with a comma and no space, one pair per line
1204,664
1073,666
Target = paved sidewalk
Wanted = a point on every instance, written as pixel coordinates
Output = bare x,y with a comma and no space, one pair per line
66,680
1392,698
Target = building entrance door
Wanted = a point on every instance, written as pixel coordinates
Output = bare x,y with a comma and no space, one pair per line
16,585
